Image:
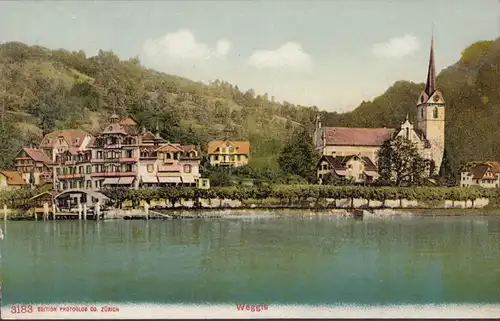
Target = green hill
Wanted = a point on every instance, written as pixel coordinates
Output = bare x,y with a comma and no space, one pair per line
42,90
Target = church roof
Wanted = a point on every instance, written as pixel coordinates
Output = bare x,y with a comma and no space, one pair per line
430,85
346,136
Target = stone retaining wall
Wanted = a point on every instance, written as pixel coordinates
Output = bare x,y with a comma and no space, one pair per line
328,203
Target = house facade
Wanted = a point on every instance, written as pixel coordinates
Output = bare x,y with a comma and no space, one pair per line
11,180
117,152
124,156
355,168
428,132
58,142
483,174
227,153
34,166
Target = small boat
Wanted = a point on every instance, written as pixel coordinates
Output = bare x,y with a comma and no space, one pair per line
1,234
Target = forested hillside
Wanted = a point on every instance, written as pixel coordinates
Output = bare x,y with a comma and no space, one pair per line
42,90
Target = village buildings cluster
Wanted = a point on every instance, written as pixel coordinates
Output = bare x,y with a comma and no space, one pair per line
351,153
122,155
125,155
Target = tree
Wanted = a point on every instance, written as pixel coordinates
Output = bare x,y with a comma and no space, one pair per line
299,156
446,174
400,162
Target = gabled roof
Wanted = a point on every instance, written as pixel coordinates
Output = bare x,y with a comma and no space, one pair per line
479,171
242,146
340,162
129,121
13,178
37,155
73,137
346,136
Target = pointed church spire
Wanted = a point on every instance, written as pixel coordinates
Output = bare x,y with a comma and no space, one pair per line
430,85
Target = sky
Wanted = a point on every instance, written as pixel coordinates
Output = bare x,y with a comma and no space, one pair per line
329,53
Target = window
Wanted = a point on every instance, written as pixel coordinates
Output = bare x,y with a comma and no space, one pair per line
96,184
422,112
407,133
89,184
89,169
150,168
231,149
435,113
187,168
204,183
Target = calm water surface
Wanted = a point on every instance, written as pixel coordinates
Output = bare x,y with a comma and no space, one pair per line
302,260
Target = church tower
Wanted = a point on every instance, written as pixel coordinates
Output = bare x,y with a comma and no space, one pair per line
431,114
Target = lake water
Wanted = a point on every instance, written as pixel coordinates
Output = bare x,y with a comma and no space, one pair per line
282,260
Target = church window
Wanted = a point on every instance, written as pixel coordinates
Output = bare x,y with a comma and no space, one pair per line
407,133
435,114
422,113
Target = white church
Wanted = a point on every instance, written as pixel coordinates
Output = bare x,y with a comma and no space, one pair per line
347,151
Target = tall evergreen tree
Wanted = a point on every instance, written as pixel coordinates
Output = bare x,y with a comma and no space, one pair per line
298,156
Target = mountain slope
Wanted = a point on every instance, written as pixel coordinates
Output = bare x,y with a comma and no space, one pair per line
42,90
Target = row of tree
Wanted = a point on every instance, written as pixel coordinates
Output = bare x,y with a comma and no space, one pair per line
298,193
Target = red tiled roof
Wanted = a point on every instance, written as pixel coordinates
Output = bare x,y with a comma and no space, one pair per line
73,137
346,136
37,155
479,171
242,146
129,121
13,178
340,162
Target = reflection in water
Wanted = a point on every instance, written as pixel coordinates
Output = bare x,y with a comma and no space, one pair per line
274,260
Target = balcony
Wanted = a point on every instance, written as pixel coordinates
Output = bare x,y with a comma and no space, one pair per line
169,168
69,176
113,174
113,146
127,160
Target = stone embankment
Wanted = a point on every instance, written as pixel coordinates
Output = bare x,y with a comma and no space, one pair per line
324,203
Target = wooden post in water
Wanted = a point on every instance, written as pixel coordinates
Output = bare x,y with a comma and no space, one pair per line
45,211
97,209
54,211
5,214
79,211
146,210
84,212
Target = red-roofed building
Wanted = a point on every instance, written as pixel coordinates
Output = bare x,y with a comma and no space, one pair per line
228,153
428,134
359,169
34,166
484,174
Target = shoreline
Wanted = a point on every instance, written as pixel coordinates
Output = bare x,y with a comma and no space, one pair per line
190,213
